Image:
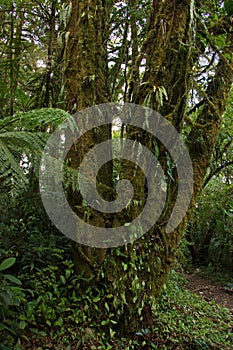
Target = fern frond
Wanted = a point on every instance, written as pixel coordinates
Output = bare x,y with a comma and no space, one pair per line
35,120
22,139
12,175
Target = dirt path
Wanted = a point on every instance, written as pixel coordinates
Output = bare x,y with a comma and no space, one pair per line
209,290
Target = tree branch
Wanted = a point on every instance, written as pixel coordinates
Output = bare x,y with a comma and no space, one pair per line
216,171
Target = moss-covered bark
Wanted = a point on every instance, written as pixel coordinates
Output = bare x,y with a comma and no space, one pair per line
170,56
135,274
86,68
87,85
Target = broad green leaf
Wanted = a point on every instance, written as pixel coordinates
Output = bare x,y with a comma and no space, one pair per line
22,324
96,299
5,264
63,280
13,279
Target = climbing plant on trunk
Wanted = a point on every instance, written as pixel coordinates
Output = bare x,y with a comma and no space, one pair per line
183,69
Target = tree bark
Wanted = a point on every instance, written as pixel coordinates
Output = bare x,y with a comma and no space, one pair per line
87,85
134,275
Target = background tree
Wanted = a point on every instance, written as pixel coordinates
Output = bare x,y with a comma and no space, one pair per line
221,162
30,61
209,234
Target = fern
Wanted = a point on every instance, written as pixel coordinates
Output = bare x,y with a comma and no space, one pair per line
11,174
23,137
35,120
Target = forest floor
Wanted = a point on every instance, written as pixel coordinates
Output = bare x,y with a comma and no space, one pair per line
209,290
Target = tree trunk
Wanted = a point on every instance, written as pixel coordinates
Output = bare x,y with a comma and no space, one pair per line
87,85
135,274
14,54
50,53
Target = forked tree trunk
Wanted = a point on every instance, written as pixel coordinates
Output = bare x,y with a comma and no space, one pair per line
135,274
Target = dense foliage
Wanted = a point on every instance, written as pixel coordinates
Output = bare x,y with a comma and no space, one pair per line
59,56
210,233
44,307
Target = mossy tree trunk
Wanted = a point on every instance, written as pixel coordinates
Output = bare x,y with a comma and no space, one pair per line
87,85
135,274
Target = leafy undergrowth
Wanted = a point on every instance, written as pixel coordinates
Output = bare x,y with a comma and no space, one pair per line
54,316
216,274
44,308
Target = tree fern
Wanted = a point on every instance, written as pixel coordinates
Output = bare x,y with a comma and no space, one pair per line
34,120
23,136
